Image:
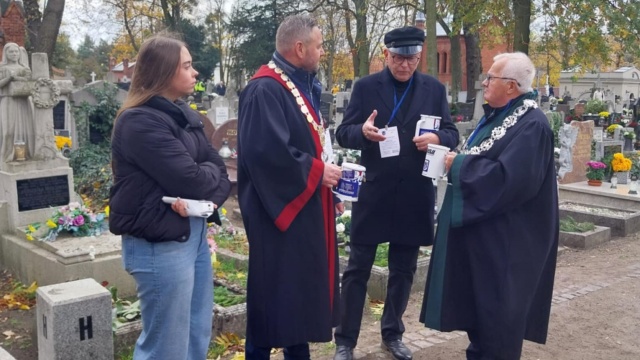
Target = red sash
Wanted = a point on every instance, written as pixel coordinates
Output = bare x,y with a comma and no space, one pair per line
291,210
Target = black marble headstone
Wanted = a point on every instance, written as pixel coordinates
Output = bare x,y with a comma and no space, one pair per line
44,192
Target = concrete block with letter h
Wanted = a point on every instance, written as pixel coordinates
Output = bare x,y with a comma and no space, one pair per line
74,321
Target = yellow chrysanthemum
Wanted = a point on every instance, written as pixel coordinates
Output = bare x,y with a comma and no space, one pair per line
620,163
224,212
29,237
31,228
51,224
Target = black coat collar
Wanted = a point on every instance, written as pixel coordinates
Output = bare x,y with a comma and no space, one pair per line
178,110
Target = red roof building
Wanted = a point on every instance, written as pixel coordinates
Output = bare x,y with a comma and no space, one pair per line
121,72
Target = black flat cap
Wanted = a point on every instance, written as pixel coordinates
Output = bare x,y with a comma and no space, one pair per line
406,40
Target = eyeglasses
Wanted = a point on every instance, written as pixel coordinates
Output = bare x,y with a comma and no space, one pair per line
397,59
490,77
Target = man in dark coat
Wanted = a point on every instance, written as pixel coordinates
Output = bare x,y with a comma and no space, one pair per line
494,256
284,190
396,203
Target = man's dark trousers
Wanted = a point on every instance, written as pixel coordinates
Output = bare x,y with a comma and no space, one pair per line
402,267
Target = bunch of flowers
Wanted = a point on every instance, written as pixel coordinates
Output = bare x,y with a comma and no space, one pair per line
620,163
75,219
604,114
595,170
629,134
343,226
612,128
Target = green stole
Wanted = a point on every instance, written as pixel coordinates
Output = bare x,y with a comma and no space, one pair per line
451,214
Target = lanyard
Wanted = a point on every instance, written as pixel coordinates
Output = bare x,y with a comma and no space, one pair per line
483,123
396,104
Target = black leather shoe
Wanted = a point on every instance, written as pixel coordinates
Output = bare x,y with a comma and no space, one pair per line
398,350
343,352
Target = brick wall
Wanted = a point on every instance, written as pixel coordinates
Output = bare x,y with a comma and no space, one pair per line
443,44
12,24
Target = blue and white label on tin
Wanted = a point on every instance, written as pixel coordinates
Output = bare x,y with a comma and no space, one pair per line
427,123
425,167
350,182
348,174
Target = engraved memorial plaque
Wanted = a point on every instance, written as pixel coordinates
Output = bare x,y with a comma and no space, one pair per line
44,192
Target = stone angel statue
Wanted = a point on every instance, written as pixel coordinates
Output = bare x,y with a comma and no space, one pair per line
16,110
567,136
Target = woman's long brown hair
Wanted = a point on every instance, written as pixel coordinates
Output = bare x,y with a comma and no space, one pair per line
156,65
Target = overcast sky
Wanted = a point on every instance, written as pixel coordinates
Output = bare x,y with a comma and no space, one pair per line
96,19
90,17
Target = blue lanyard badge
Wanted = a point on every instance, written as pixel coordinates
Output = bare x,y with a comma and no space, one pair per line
396,104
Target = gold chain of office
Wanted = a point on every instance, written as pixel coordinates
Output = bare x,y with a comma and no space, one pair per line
499,132
54,93
299,100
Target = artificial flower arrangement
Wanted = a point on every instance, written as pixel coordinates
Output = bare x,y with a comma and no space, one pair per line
595,170
343,226
75,219
620,163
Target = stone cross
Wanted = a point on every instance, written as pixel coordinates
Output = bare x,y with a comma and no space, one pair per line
46,98
93,76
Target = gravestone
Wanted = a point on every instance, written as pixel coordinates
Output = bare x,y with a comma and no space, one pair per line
545,106
466,110
43,179
618,133
221,111
326,107
563,107
80,96
74,321
598,133
478,110
608,147
342,101
580,152
229,132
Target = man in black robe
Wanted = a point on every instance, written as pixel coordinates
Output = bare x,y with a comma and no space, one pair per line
286,200
494,257
396,203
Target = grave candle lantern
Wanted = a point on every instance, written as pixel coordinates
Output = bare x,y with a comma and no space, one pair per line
224,151
614,182
19,151
633,187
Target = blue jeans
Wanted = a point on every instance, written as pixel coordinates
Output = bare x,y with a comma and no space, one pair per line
175,287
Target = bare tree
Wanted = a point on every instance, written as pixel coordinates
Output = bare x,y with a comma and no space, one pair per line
43,28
